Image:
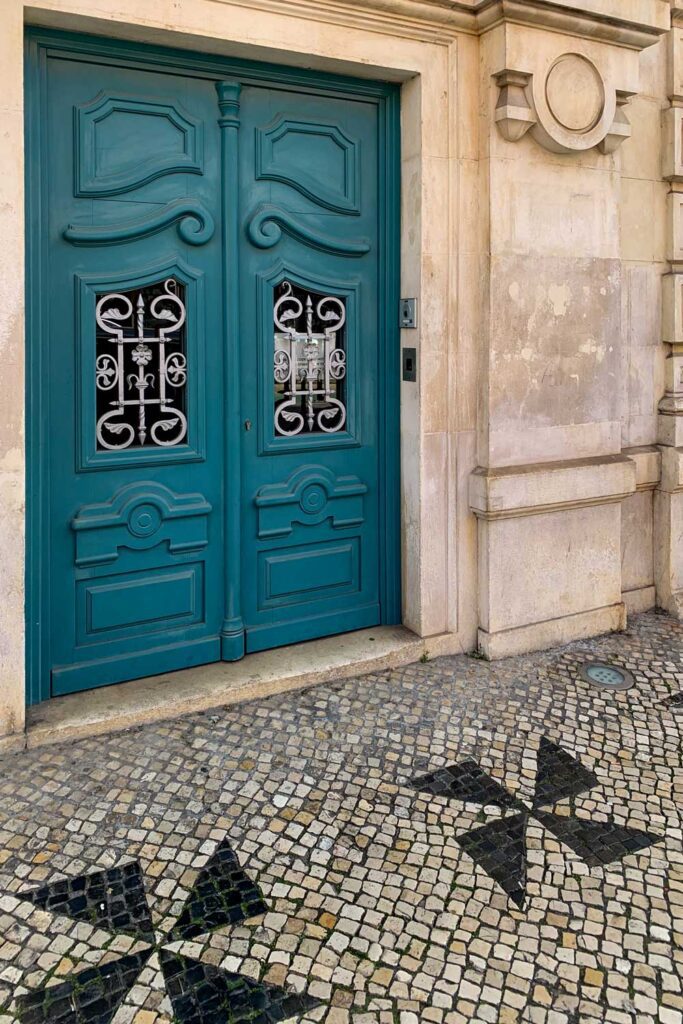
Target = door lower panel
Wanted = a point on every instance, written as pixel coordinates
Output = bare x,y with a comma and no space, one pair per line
129,605
291,576
152,662
262,638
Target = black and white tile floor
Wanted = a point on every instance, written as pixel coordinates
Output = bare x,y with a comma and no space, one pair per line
449,842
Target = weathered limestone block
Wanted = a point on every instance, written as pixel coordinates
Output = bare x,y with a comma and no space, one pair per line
637,533
675,53
549,552
554,356
672,309
642,352
672,144
674,221
669,532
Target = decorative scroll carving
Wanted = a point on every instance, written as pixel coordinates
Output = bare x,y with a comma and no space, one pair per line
266,225
134,364
309,364
568,108
195,226
96,127
310,495
140,516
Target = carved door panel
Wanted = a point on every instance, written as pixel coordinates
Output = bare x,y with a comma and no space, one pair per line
310,368
133,360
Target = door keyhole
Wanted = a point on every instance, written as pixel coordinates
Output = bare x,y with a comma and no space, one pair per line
247,424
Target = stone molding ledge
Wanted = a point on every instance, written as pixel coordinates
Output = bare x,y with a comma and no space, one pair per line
540,636
551,487
648,462
635,24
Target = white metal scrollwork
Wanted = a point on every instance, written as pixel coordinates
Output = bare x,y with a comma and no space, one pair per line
308,364
126,329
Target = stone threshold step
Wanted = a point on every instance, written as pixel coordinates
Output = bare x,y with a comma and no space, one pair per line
173,694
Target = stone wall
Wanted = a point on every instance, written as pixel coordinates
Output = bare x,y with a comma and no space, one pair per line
574,366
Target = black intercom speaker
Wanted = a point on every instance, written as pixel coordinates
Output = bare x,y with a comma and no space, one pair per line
409,364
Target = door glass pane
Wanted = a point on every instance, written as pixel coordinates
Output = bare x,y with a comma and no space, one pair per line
141,367
309,365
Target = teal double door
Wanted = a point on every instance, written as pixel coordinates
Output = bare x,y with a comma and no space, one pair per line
213,371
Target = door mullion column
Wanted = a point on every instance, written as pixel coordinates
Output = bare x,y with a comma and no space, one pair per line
232,630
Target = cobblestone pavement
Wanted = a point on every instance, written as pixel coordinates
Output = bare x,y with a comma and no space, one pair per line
448,842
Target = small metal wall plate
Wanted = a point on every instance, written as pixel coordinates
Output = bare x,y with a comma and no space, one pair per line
606,676
408,314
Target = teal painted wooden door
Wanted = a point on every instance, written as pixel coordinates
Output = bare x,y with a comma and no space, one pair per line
210,367
309,323
133,350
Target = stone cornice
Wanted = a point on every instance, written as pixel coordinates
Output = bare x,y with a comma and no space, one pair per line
607,20
425,20
632,23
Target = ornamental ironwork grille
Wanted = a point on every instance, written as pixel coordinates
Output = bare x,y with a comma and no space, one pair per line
141,367
309,363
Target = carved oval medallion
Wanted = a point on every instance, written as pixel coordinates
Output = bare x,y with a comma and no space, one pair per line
575,93
144,520
313,499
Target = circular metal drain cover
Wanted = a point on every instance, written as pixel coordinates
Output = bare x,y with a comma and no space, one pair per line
608,677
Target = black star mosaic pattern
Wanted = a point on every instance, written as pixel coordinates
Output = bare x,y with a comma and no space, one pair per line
223,894
499,848
467,782
200,993
113,900
559,776
596,842
90,997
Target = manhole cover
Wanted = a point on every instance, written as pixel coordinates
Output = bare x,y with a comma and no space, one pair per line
609,677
